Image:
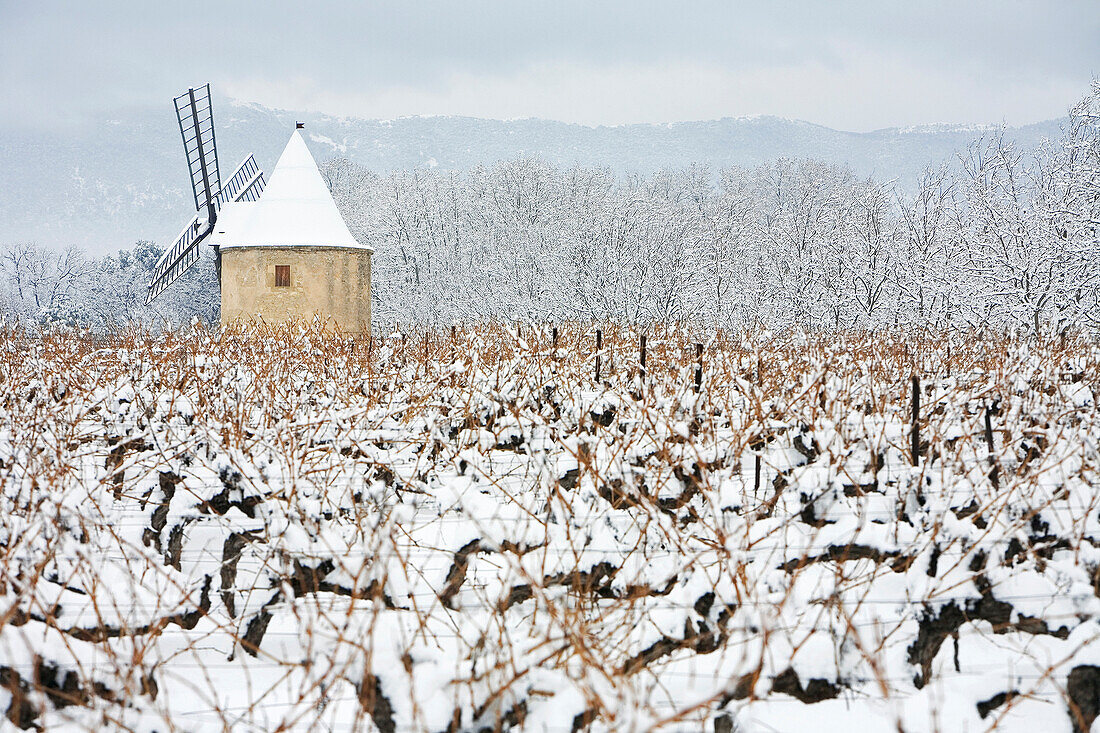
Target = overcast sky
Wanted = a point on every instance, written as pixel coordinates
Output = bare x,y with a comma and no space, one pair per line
852,65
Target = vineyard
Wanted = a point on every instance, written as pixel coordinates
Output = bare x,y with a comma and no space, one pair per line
549,529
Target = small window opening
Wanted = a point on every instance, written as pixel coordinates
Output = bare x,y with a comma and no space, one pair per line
282,276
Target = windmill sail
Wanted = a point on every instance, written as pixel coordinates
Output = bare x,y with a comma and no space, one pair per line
246,184
195,114
177,259
196,120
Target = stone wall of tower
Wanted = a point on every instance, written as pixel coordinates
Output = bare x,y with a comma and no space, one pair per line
332,282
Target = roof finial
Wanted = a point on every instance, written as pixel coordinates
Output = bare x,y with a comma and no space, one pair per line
299,125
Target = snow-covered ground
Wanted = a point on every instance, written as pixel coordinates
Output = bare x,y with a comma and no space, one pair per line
469,532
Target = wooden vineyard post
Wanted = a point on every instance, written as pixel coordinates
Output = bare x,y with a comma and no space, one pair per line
641,357
988,431
599,345
915,431
994,473
698,367
757,470
554,339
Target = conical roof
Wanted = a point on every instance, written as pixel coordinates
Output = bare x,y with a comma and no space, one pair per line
295,209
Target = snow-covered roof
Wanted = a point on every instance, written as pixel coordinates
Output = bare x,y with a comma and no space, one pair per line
295,209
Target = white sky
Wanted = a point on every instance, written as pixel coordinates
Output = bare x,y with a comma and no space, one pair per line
850,65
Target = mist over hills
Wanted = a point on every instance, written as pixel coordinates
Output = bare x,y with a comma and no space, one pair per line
104,185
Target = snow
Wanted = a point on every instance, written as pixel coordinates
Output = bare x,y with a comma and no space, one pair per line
461,537
325,140
295,209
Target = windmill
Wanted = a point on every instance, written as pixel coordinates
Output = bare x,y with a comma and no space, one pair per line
194,111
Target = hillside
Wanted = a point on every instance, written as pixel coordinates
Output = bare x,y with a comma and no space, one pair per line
103,185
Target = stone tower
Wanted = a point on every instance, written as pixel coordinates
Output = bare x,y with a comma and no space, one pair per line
290,255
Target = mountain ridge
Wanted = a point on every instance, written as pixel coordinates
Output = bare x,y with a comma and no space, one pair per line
105,184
